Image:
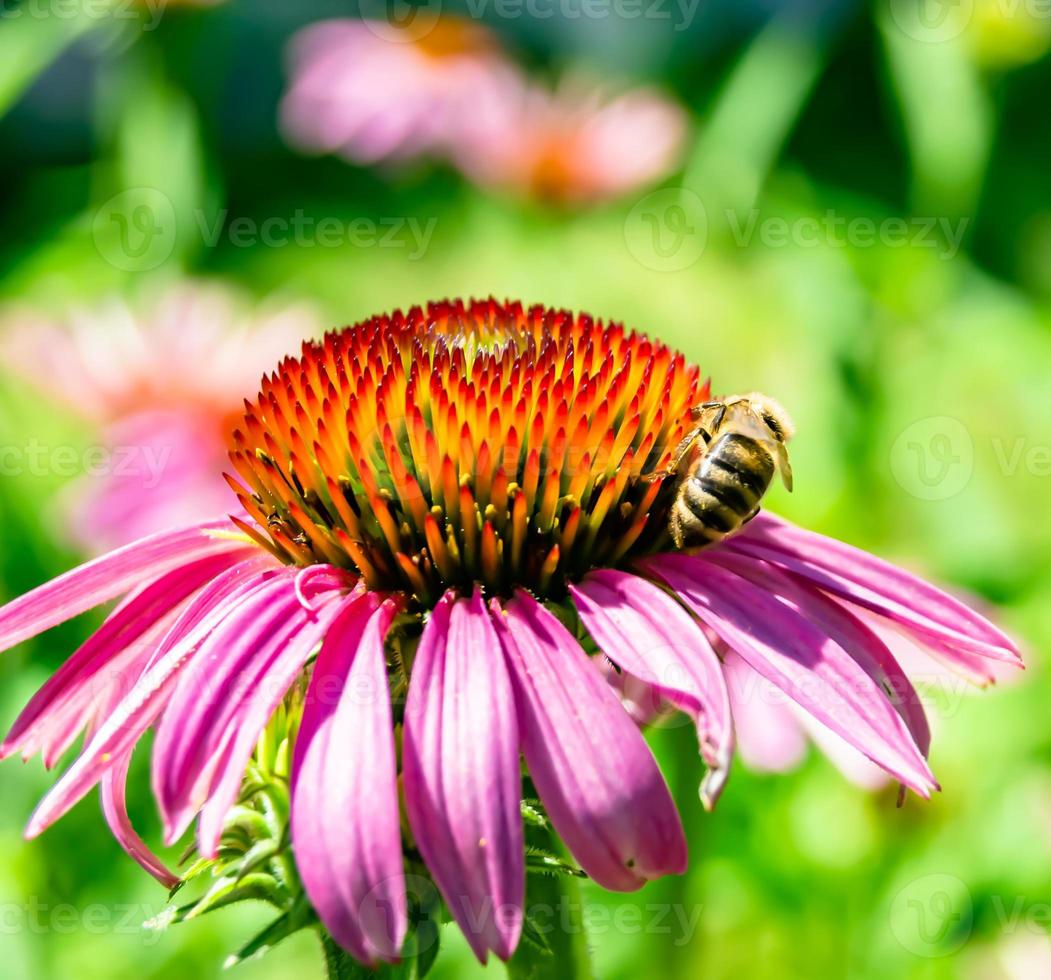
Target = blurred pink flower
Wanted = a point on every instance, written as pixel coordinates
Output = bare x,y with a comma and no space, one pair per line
162,382
369,91
578,144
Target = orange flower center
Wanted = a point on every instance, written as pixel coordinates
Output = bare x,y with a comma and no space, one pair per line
468,443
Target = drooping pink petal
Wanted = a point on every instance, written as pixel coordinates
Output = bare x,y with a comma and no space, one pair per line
461,773
203,692
801,659
848,760
70,692
870,582
227,693
112,575
932,662
115,809
290,650
140,707
595,774
851,633
90,704
345,823
645,632
642,701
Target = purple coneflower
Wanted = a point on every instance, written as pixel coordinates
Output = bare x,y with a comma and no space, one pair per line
163,382
580,143
371,91
460,511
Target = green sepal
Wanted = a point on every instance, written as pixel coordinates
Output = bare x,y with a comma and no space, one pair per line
226,891
300,916
541,861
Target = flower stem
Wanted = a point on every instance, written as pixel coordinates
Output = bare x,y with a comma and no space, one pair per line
555,906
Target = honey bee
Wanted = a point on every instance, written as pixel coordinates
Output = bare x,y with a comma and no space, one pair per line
726,464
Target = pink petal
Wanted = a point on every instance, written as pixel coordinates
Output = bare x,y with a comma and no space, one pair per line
870,582
801,659
593,770
114,807
111,575
89,672
292,647
461,770
137,711
848,760
345,821
851,633
648,634
642,701
204,694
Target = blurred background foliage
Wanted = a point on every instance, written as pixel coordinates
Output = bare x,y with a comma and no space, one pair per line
803,113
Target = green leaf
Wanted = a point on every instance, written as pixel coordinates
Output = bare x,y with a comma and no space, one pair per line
300,916
29,44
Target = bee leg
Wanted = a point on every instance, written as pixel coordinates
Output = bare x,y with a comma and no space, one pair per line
682,450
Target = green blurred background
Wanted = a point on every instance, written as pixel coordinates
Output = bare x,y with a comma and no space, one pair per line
836,152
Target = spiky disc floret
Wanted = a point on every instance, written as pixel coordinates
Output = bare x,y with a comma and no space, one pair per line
464,443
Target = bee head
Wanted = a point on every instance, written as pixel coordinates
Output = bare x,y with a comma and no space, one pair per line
770,412
774,415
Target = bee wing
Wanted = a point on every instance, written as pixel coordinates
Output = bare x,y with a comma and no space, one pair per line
752,426
783,465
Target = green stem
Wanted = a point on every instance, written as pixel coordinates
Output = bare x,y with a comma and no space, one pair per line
555,907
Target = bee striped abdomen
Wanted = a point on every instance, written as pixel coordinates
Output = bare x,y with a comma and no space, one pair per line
722,491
